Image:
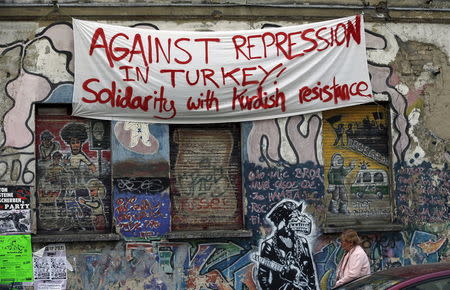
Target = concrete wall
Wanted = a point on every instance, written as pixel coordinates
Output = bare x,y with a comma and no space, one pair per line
409,65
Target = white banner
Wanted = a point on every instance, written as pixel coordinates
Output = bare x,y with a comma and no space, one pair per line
136,74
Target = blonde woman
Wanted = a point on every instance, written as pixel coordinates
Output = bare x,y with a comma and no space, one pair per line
355,262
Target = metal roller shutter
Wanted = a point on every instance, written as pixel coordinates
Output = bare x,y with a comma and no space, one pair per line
205,173
356,159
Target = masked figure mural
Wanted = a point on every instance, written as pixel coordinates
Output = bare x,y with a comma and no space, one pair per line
285,260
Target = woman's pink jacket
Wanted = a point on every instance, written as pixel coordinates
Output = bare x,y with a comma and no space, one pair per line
353,265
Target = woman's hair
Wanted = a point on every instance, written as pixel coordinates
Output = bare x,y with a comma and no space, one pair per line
351,236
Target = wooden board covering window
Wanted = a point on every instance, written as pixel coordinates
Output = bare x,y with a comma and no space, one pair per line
205,173
359,136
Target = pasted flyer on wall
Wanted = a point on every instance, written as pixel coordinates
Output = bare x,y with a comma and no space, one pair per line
50,267
15,209
15,259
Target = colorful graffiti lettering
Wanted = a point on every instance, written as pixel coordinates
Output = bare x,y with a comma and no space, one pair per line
142,215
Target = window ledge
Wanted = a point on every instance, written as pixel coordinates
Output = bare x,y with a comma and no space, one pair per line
364,228
208,234
74,238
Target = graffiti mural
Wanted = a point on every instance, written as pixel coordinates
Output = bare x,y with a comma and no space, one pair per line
266,187
283,159
336,176
73,190
283,142
284,259
141,149
142,207
356,165
422,194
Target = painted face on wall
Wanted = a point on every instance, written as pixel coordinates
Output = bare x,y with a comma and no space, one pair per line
96,188
337,160
299,223
75,145
93,192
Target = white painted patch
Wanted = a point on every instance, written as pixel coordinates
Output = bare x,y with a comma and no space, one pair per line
415,154
319,144
47,62
387,55
402,89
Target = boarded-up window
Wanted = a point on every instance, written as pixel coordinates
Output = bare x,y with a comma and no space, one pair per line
356,158
206,177
73,173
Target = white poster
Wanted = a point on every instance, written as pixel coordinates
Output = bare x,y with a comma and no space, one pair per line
50,267
137,74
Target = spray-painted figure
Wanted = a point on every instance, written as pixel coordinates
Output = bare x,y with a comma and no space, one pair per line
48,146
285,260
97,191
336,186
339,134
75,134
56,173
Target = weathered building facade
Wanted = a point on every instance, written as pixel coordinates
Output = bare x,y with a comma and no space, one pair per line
157,206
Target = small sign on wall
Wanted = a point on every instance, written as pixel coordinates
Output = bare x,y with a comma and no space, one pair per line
14,197
100,135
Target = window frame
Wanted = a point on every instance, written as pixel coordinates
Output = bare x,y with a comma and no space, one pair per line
242,231
392,225
38,236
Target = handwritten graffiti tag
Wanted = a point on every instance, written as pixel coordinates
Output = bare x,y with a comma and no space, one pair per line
142,185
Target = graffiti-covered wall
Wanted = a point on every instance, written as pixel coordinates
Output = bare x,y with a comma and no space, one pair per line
302,179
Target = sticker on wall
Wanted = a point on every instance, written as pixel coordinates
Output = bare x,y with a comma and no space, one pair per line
15,209
15,221
284,259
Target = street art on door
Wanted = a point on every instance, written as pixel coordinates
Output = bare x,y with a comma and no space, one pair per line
142,207
284,259
73,190
281,161
356,171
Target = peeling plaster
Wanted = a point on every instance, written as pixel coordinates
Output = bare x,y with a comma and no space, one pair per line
51,63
